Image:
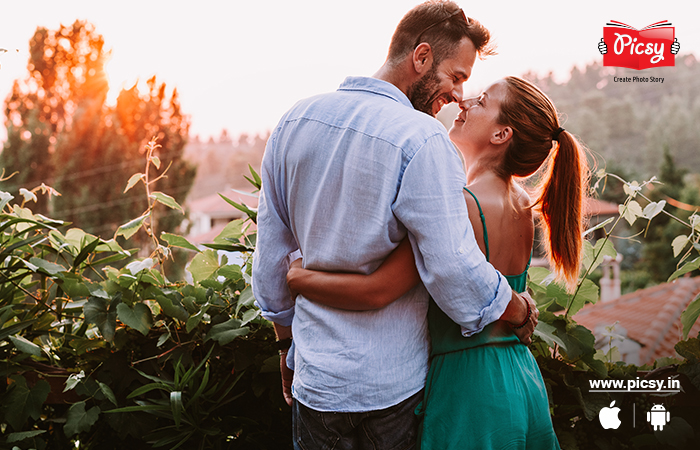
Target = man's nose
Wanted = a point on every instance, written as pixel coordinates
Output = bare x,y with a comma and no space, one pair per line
457,93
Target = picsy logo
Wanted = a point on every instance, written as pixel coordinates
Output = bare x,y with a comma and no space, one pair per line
652,46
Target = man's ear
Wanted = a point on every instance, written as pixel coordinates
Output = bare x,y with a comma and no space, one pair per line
422,58
502,136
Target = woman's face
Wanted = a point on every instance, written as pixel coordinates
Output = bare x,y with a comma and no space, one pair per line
476,124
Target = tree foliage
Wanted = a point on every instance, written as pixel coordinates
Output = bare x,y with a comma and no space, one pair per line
62,133
632,121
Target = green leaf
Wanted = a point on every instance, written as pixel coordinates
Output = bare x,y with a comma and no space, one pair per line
548,334
176,406
171,310
156,161
690,316
47,267
98,311
163,339
231,272
175,240
231,232
242,207
73,380
148,388
679,244
96,290
15,328
631,189
597,227
579,341
74,285
631,211
204,265
25,346
256,181
78,420
167,201
559,293
687,267
602,248
107,391
246,298
249,315
135,267
21,402
130,228
677,433
653,209
5,198
85,251
226,332
229,247
83,346
587,293
139,318
689,349
139,408
135,178
22,435
193,321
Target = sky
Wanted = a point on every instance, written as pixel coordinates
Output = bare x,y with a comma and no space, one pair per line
239,65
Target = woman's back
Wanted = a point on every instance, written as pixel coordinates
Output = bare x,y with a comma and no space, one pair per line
509,225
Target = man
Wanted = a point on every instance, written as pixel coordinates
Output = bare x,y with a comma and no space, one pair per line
346,176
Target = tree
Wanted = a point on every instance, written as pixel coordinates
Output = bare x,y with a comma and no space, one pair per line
657,253
61,133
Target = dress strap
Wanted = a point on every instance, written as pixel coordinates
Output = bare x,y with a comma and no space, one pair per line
483,223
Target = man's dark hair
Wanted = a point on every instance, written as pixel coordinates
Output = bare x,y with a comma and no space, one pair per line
440,24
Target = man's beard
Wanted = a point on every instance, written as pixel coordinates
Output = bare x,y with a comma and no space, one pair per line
422,92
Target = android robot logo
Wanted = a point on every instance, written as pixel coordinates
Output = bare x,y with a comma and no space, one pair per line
658,417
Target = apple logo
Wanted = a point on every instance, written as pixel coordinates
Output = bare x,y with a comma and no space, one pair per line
608,417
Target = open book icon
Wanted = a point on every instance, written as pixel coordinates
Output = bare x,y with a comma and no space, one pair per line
639,49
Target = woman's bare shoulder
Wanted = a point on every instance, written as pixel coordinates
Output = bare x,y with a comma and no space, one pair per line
522,202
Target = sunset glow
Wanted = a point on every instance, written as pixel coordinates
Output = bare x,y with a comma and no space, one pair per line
236,66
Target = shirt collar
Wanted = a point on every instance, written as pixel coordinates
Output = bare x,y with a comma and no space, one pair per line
375,86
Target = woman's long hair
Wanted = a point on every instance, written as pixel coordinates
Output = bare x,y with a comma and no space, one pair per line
560,193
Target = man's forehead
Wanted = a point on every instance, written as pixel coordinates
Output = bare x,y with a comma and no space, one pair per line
462,60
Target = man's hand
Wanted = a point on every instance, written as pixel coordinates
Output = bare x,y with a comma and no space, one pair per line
524,333
283,333
602,47
287,377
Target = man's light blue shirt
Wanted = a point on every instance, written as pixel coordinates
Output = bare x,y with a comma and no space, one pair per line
345,177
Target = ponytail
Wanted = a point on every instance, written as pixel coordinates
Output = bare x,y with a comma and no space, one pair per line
538,138
562,191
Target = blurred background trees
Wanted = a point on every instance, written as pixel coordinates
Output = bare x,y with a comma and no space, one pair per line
638,130
61,132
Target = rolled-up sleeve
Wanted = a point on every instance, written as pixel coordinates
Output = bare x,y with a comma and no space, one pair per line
455,272
274,242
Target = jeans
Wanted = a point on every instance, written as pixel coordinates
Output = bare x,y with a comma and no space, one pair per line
393,428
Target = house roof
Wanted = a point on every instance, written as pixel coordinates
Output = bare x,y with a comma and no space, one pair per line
650,316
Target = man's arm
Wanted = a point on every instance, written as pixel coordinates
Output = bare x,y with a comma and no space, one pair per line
283,333
274,242
431,205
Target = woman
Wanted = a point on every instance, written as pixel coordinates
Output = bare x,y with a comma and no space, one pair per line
486,391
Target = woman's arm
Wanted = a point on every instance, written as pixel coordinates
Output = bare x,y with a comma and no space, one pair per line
394,277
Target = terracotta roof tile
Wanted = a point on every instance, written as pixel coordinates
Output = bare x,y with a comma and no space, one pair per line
650,316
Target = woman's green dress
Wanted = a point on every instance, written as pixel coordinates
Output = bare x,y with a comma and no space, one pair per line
485,391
